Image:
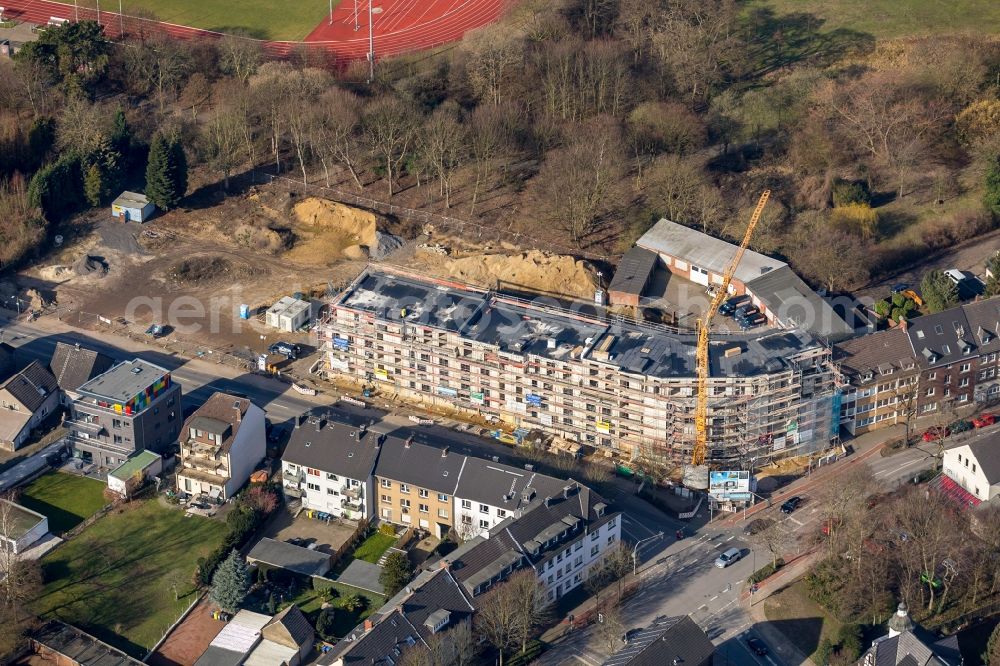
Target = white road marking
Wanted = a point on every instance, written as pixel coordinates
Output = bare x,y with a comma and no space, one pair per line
797,522
730,538
714,598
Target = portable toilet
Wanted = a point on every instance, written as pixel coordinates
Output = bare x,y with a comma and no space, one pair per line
132,207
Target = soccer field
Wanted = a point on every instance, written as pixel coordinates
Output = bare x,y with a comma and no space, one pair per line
264,19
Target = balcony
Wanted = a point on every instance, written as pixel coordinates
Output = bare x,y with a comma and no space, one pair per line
200,475
353,492
94,429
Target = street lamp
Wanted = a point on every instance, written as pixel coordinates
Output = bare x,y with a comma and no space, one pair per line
371,40
635,563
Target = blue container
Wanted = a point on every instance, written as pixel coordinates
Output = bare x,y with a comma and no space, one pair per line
244,311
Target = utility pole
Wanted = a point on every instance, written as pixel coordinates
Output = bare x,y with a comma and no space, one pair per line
331,12
98,12
635,562
357,25
371,43
121,21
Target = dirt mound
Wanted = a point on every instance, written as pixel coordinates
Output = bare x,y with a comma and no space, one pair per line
354,223
197,270
385,244
91,265
533,271
356,252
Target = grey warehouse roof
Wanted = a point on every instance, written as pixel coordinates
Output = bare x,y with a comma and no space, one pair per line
124,381
796,305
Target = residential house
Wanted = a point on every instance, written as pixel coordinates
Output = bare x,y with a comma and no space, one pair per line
432,604
947,354
880,380
133,406
26,400
329,466
20,527
236,641
562,538
73,366
668,640
223,442
974,466
416,485
908,644
133,472
287,639
489,492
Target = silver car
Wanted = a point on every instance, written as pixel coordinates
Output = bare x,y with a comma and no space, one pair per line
728,557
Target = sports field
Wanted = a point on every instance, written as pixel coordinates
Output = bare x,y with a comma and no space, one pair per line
263,19
895,18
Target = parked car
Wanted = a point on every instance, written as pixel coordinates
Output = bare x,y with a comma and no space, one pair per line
757,646
751,322
791,504
729,557
745,311
935,433
960,426
899,288
629,635
984,420
729,306
286,349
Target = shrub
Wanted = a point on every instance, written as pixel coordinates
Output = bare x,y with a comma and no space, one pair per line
352,603
824,652
765,571
388,529
847,192
859,219
851,645
325,624
883,308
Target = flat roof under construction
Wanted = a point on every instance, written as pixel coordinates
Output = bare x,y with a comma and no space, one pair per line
399,298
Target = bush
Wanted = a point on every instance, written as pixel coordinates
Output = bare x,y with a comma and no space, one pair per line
824,652
850,639
883,308
765,572
846,192
388,529
859,219
325,624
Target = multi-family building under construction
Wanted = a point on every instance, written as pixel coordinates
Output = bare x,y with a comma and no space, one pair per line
621,386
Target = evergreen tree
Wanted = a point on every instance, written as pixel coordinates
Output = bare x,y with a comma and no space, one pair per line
93,185
324,624
992,197
993,281
230,583
121,135
396,573
939,291
166,173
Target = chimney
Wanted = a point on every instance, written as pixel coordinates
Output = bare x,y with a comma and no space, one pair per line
444,452
409,440
566,491
319,424
369,625
443,563
903,324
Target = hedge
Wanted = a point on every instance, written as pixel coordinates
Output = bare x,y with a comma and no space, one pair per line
765,572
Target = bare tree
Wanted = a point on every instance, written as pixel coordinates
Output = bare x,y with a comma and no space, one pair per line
20,583
303,91
775,539
390,127
222,140
529,600
618,563
610,629
442,142
338,130
905,396
927,532
677,188
497,619
240,55
496,56
491,130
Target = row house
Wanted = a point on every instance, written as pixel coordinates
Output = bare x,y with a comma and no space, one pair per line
619,386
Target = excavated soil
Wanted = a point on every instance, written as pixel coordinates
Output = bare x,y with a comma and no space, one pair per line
327,230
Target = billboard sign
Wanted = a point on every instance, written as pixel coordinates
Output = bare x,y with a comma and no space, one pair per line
729,485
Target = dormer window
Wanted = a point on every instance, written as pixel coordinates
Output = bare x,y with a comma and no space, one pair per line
868,376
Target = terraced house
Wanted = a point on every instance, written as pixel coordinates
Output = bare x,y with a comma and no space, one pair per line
615,384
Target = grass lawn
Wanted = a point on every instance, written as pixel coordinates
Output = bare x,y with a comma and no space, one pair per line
115,580
65,499
372,548
264,19
310,602
895,18
803,622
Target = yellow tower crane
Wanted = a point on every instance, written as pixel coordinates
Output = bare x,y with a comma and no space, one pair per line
704,324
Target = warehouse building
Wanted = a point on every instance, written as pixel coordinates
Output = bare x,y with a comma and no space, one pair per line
619,386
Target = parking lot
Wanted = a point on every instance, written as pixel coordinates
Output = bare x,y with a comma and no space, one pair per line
328,537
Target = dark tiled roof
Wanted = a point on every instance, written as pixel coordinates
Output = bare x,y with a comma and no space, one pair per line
987,453
289,556
399,624
633,271
502,485
942,338
220,414
329,446
984,323
289,624
79,646
419,465
32,386
870,353
905,649
73,365
664,641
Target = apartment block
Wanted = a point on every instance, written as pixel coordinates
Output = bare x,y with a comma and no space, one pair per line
615,384
223,442
132,407
329,466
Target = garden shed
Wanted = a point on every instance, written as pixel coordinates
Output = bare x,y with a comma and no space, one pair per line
132,207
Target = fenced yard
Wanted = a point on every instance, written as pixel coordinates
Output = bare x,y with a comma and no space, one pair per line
128,577
65,499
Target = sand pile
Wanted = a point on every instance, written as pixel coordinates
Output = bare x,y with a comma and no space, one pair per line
355,224
533,271
331,230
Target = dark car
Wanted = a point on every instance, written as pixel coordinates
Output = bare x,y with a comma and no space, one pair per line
960,426
729,306
286,349
629,635
746,311
757,646
901,287
791,504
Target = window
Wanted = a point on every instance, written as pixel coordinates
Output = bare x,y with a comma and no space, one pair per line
312,472
966,462
594,536
466,519
331,491
963,383
331,477
484,524
422,492
973,468
387,514
966,366
931,375
466,504
578,546
404,503
501,513
424,508
593,551
484,508
442,513
929,391
442,497
386,483
312,486
404,488
611,539
612,523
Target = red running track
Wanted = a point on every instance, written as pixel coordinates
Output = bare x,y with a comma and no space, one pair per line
402,26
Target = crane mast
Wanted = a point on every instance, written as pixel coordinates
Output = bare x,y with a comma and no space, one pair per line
704,324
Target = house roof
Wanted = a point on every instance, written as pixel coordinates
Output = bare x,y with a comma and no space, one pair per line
904,649
942,338
503,485
124,381
289,628
984,323
986,451
222,414
73,365
32,386
704,251
291,557
131,199
80,646
875,351
419,465
240,635
665,642
136,463
633,271
289,307
402,622
269,653
20,519
795,305
334,447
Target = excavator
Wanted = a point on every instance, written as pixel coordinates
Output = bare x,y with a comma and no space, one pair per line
704,325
